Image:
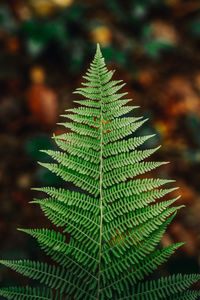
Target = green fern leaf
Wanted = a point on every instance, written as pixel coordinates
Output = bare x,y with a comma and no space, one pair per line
172,287
28,293
110,230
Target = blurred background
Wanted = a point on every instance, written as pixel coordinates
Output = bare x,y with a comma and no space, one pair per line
45,48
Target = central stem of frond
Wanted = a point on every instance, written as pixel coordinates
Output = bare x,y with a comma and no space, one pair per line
100,197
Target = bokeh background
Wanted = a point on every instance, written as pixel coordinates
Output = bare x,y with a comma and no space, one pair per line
45,47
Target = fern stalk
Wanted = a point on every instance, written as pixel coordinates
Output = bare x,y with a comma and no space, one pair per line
100,194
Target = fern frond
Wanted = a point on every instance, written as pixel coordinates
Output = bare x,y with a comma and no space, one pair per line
105,92
84,153
119,123
136,217
106,85
133,202
53,241
118,112
115,222
71,198
85,182
83,111
81,141
89,103
122,132
146,267
133,187
124,145
82,129
173,287
134,236
75,222
116,105
28,293
52,276
121,174
187,295
135,253
90,121
80,216
74,163
126,159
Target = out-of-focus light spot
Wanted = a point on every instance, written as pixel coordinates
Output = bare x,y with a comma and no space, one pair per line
101,35
165,32
139,11
162,128
42,7
24,181
24,12
12,44
37,74
63,3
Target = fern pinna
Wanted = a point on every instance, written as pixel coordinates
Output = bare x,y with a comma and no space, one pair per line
115,222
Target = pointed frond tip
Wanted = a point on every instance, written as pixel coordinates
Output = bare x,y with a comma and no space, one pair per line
23,230
98,50
34,202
